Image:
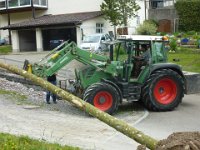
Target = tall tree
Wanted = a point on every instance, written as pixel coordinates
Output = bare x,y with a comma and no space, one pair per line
119,11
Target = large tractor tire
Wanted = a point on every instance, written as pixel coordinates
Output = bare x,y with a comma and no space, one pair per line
103,96
163,91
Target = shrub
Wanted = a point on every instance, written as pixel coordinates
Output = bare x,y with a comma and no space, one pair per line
148,27
173,44
188,12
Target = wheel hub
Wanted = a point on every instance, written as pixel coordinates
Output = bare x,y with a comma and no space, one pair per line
165,91
102,100
161,90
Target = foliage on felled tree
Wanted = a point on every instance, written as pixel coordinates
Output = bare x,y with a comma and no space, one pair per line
188,12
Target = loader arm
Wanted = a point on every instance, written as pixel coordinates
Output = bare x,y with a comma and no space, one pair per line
64,54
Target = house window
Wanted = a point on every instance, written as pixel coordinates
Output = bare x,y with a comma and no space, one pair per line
157,4
44,2
25,2
36,2
2,4
13,3
99,28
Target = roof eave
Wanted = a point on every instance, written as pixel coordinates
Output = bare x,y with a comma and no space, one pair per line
40,26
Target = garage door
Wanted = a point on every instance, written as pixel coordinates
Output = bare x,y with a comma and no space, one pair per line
61,34
27,40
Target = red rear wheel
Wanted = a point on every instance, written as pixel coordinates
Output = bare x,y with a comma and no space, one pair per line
103,100
165,91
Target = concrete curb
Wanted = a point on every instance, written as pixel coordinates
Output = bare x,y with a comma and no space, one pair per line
16,78
193,82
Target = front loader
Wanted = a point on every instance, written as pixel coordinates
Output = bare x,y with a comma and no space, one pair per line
107,80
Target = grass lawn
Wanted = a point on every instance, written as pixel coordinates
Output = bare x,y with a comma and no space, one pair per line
5,49
11,142
189,59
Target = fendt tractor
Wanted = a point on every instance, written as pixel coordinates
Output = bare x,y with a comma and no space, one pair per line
107,80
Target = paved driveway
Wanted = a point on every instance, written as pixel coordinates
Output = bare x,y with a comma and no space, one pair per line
185,118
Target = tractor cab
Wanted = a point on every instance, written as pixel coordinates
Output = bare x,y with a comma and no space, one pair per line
142,51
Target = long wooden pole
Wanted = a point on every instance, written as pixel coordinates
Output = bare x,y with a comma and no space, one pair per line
118,124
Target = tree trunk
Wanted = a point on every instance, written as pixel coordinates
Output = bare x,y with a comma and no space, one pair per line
119,125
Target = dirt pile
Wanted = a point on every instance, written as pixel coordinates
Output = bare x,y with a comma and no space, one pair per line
181,141
178,141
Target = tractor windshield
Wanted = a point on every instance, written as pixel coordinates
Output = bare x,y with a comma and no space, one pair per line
159,54
91,39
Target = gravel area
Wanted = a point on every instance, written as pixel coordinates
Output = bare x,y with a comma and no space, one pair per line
37,98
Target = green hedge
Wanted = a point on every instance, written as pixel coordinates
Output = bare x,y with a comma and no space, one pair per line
188,11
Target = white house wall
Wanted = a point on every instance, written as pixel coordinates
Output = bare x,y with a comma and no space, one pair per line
89,27
72,6
138,19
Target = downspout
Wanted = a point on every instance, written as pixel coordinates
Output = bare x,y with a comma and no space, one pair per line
9,32
33,9
145,9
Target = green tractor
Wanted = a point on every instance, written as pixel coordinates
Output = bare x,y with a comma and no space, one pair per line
106,80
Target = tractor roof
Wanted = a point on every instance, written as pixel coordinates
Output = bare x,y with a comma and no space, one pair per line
140,37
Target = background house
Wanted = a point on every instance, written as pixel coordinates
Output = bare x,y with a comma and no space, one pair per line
164,13
33,23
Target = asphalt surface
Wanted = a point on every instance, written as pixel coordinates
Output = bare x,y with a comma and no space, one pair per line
186,117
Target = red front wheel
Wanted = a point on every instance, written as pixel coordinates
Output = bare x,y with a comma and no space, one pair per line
103,96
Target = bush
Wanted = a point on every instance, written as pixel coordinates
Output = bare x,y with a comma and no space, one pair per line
188,12
148,27
173,44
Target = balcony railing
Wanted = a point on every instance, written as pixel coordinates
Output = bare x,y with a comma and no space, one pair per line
14,4
156,4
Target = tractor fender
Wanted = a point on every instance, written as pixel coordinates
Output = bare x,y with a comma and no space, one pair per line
114,85
171,66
